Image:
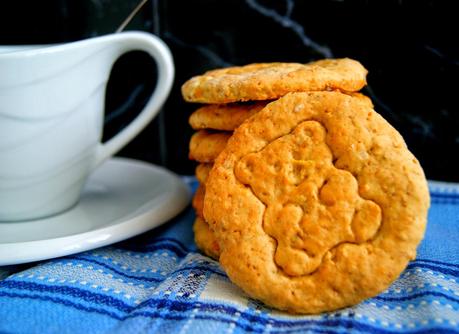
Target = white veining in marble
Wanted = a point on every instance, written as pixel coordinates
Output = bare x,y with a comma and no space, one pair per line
286,21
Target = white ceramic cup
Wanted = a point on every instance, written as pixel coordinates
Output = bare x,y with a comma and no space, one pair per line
51,118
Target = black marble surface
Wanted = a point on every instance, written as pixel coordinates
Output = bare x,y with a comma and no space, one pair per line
410,48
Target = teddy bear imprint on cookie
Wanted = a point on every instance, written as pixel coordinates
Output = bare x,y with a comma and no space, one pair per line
311,206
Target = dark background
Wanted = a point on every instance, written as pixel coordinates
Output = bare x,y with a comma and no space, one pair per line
410,48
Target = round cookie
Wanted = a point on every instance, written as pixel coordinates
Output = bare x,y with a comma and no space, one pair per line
268,81
202,172
205,239
198,200
205,146
225,117
316,203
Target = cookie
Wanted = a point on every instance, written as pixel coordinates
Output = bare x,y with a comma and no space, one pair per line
225,117
205,239
316,203
205,145
269,81
202,172
198,200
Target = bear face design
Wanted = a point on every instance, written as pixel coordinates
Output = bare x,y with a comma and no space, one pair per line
311,206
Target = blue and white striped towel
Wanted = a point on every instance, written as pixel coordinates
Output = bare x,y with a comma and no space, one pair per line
159,283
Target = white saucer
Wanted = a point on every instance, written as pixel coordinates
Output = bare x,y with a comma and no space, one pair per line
122,198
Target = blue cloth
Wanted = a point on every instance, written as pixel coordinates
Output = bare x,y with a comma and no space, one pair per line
159,283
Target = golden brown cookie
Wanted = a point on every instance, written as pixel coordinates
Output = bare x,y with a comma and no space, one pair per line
316,203
205,145
202,172
268,81
198,200
205,239
226,117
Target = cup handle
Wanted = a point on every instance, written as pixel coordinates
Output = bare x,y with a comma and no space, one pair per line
158,50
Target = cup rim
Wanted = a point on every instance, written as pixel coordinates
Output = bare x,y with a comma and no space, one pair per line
26,50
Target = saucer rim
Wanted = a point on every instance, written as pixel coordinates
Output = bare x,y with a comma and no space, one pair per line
178,198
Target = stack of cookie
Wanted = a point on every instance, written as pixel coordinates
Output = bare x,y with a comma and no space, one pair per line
310,200
234,94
